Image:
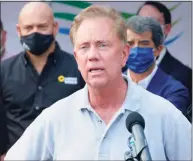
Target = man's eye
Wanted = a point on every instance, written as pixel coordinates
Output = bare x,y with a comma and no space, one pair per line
83,47
28,27
103,45
130,43
145,43
42,27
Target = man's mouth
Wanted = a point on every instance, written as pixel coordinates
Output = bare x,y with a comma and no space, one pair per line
96,70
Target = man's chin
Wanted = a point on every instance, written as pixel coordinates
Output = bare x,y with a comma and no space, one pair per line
97,84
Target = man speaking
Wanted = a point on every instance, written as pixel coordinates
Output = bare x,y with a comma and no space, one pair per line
90,124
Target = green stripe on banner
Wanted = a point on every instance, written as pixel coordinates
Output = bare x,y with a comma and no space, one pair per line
70,16
78,4
82,4
63,15
127,15
176,21
175,6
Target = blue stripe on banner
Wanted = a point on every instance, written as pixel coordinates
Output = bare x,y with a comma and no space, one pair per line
64,30
173,39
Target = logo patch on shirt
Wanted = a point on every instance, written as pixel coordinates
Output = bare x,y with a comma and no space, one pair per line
26,46
67,80
61,78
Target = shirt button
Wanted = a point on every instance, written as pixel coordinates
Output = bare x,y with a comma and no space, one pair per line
40,87
37,107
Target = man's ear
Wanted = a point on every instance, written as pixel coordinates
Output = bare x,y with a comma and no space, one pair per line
158,50
56,26
18,30
75,53
167,28
125,54
75,56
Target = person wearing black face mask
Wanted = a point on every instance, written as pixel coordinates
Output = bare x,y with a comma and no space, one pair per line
38,76
145,38
37,43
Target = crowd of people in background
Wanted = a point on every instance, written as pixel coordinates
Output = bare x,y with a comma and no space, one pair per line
35,79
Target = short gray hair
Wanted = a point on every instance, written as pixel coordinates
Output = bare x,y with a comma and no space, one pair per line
100,11
139,24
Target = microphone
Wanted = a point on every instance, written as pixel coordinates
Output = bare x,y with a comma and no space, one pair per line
135,124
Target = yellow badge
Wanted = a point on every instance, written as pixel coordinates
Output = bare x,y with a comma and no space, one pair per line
61,78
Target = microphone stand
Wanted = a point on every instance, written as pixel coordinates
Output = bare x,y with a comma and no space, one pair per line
134,154
129,157
131,154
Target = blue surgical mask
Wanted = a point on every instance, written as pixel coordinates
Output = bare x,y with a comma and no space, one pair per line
140,59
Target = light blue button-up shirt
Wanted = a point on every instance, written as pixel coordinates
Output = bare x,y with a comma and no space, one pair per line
71,130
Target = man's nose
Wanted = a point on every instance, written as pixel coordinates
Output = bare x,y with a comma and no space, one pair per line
135,45
35,29
93,53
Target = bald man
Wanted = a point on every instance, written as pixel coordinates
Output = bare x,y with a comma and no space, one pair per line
38,76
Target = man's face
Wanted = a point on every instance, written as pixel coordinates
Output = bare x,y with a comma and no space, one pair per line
36,21
141,40
99,52
150,11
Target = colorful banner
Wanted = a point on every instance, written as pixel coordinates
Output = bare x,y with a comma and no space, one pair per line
178,41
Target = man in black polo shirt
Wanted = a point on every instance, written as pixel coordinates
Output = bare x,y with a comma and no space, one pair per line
40,75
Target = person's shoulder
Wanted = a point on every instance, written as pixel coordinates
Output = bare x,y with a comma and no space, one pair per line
170,82
12,59
68,59
156,105
68,56
7,55
10,62
178,64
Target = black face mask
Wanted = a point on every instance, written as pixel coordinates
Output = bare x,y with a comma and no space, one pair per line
37,43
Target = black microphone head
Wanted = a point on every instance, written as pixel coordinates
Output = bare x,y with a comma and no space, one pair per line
134,118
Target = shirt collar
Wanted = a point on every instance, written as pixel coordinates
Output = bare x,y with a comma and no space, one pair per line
130,103
145,82
162,54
